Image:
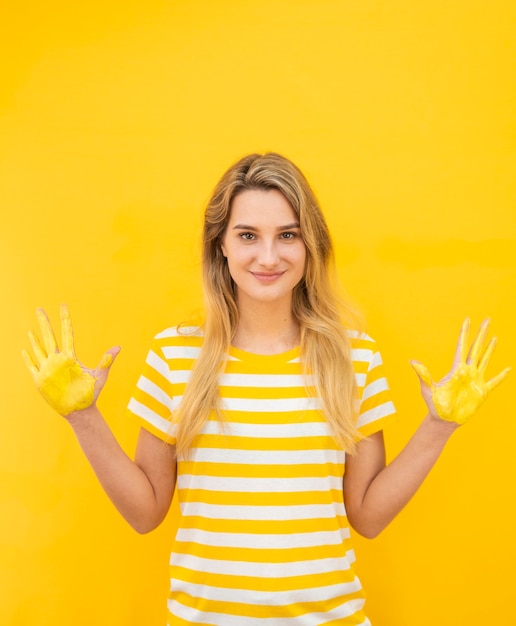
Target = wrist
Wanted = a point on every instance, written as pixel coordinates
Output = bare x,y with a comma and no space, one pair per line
83,417
441,427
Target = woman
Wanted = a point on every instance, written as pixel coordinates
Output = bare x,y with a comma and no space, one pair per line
271,414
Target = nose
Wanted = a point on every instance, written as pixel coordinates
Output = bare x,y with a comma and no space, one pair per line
268,254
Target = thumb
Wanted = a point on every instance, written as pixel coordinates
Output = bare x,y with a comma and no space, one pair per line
422,372
108,358
101,373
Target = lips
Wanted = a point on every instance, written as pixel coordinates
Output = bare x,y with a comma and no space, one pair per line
265,277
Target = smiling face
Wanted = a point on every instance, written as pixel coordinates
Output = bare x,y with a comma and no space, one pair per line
263,247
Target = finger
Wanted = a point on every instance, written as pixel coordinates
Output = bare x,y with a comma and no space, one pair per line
462,344
486,357
478,345
49,339
67,330
422,372
494,382
108,358
39,354
31,366
102,372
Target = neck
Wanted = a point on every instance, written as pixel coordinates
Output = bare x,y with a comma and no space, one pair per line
266,330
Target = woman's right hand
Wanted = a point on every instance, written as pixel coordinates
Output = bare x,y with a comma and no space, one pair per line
65,383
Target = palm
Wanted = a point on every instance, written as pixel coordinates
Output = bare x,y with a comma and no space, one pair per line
65,384
457,396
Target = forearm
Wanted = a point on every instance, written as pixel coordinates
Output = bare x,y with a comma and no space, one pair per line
393,486
125,483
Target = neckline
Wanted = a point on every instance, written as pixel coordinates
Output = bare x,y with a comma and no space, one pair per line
244,355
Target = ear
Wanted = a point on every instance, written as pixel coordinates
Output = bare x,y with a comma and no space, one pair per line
223,250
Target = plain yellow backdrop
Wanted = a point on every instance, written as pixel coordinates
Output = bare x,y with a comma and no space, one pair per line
116,120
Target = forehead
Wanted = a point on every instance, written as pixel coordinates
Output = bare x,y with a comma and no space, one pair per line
268,205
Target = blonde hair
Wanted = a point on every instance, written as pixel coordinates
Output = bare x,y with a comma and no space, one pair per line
325,349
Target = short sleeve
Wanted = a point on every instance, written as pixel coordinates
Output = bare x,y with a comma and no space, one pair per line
375,406
161,385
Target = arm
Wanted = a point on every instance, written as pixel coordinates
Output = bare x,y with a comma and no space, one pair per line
142,489
375,493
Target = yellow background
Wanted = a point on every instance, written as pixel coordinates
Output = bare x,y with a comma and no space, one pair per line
117,118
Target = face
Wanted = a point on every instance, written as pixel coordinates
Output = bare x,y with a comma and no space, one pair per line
263,246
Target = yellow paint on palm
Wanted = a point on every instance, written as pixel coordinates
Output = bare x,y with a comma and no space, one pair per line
458,395
63,382
64,385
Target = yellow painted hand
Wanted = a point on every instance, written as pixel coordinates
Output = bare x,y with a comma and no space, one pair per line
65,384
460,393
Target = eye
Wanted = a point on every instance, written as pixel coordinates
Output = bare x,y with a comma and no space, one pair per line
247,236
288,236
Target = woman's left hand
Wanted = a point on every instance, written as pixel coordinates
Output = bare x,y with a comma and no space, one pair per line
457,396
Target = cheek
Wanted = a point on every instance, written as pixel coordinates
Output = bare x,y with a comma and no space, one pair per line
301,258
237,262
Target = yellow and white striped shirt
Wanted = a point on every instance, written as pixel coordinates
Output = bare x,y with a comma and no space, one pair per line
263,536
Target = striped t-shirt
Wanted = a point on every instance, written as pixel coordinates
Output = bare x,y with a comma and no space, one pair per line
263,537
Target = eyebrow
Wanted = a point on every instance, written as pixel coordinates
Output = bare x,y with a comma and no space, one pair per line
247,227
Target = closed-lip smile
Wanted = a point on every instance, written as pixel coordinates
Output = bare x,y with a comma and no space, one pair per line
267,277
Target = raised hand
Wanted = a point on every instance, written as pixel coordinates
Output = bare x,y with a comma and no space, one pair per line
457,396
65,383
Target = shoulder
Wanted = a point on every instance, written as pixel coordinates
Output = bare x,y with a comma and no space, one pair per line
180,332
364,350
359,340
178,341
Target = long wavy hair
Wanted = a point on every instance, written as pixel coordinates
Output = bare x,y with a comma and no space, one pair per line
316,304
